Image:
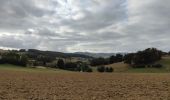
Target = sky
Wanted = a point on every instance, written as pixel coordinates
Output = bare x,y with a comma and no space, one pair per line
85,25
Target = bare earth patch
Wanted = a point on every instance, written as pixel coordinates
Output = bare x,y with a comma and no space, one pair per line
83,86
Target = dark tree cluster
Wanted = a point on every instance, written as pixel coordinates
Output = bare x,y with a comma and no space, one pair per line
44,59
73,66
104,69
116,58
60,64
70,66
14,58
83,67
142,58
99,61
104,61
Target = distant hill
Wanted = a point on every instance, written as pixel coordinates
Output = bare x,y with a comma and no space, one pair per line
56,54
97,55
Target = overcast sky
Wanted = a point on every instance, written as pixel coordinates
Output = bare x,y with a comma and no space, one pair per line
85,25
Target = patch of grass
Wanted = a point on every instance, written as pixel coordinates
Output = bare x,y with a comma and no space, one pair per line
94,69
166,63
28,69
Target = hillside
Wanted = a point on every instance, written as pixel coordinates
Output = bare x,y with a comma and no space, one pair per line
122,67
97,55
165,62
56,54
119,67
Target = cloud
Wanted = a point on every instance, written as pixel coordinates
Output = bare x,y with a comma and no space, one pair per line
85,25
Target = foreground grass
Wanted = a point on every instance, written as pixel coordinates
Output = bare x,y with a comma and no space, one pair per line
28,69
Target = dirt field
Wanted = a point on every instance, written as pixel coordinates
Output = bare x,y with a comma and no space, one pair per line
83,86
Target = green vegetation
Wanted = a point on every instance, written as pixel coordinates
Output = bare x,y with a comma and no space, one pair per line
28,69
104,69
165,61
149,60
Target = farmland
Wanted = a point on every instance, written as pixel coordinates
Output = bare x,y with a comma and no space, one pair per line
32,85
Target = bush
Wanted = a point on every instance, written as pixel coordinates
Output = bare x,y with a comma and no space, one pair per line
71,66
101,69
89,70
60,64
108,69
78,69
149,66
157,66
138,66
99,61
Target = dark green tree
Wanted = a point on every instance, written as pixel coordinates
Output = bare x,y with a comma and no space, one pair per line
60,64
101,69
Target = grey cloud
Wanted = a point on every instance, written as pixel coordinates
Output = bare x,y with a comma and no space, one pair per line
99,16
85,25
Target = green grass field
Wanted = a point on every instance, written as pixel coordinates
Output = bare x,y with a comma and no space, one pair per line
165,62
28,69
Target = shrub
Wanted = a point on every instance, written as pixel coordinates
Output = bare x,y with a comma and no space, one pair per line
157,66
60,64
71,66
101,69
89,70
108,69
78,69
149,66
99,61
138,66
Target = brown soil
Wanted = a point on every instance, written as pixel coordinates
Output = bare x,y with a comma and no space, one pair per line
83,86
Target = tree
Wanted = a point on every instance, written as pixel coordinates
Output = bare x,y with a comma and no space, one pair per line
14,58
45,59
23,60
157,66
108,69
98,61
115,59
101,69
147,56
60,64
71,66
142,58
119,57
22,50
112,59
128,58
111,69
89,70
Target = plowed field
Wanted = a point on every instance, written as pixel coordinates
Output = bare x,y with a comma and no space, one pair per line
16,85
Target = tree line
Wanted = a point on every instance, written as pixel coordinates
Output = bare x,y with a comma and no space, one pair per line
147,57
140,59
